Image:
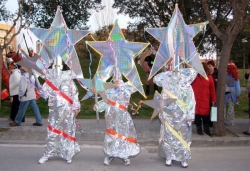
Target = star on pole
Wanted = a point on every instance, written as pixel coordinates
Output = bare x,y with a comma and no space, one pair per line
95,85
30,63
59,40
159,104
176,43
120,53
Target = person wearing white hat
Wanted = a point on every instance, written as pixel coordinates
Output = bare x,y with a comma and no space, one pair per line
14,81
27,97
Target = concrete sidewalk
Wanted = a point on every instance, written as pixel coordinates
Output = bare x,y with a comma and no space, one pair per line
93,133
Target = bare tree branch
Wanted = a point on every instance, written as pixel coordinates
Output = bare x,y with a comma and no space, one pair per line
22,25
209,17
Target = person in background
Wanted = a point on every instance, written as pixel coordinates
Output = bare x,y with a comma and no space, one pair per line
31,52
233,93
11,52
204,92
147,65
213,71
14,81
27,97
247,132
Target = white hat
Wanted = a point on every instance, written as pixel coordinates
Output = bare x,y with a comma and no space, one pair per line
9,60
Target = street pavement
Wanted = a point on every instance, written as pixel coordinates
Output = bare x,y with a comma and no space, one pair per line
91,132
25,158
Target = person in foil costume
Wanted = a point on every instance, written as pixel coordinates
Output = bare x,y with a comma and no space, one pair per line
176,130
120,136
63,107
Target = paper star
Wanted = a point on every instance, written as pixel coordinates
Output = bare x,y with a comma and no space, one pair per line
118,52
30,63
95,85
159,104
59,40
176,42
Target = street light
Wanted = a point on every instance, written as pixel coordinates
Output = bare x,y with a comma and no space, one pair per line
244,41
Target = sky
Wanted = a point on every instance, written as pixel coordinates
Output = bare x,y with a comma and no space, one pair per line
122,19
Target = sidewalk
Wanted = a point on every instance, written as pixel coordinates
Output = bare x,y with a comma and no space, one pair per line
147,133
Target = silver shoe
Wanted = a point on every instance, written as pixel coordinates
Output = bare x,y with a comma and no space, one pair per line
184,164
69,161
108,160
126,162
43,159
168,162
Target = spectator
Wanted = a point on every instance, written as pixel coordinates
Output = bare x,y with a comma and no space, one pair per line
31,52
213,71
14,81
247,132
204,92
27,97
233,93
11,52
147,65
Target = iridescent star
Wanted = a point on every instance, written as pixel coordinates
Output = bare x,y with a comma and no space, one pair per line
95,85
120,53
59,40
176,43
30,63
159,104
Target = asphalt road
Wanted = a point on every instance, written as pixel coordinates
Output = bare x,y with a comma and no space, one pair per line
25,158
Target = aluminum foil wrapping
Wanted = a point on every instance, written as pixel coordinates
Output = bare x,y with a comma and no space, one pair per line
61,117
120,122
178,83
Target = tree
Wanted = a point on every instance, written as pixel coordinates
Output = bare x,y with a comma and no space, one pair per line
76,13
239,18
19,22
5,15
157,13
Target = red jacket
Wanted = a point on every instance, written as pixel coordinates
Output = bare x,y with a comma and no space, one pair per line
204,92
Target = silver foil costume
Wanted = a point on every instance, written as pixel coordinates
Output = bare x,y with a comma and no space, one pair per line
120,136
178,83
61,129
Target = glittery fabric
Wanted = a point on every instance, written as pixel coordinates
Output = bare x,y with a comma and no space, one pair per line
178,83
61,116
120,121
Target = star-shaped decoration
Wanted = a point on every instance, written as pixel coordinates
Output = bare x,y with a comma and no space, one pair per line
159,104
176,43
95,85
180,102
59,40
30,63
120,53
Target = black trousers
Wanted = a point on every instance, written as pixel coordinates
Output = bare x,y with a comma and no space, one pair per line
14,108
199,119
